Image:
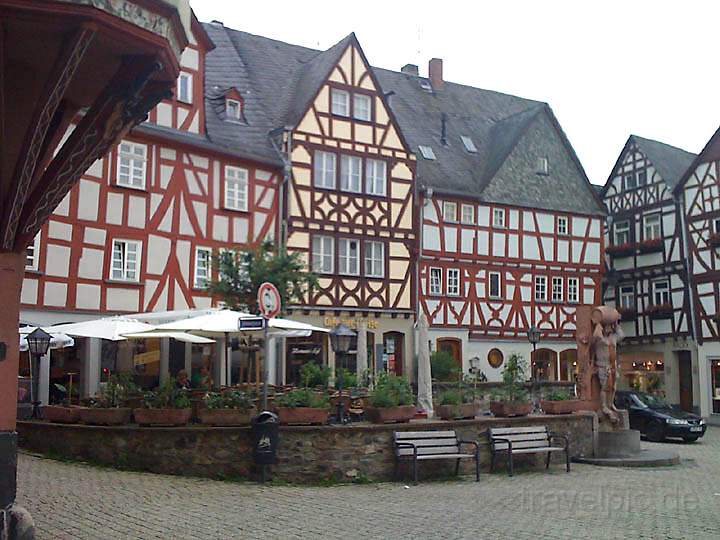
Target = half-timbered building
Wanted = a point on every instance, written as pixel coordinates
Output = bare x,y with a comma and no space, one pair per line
648,278
699,192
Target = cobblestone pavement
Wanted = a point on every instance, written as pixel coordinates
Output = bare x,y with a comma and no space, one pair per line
77,501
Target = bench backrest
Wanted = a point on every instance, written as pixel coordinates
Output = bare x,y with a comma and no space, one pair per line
521,437
427,442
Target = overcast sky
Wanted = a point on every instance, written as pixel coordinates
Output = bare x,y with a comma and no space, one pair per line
607,68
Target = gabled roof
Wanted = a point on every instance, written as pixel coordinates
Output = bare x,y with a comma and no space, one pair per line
669,161
710,152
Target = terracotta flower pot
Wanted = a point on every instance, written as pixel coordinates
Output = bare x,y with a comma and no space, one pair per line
224,417
162,417
302,415
567,406
61,414
105,417
454,412
508,409
384,415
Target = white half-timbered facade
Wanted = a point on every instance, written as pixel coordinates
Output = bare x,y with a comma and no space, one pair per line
648,278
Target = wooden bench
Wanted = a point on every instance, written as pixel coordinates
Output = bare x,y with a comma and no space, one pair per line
418,446
525,440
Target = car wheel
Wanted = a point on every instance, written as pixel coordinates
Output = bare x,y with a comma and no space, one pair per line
655,432
690,439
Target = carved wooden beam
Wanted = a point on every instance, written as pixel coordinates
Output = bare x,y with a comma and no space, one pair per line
124,103
57,83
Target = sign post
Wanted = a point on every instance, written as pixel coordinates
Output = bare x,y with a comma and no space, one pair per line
269,303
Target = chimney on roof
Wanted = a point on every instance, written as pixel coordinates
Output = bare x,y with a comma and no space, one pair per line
435,74
410,69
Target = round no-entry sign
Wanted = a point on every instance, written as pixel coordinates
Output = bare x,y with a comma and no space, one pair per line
269,300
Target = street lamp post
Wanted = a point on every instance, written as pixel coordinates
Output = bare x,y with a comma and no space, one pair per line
38,344
533,335
340,340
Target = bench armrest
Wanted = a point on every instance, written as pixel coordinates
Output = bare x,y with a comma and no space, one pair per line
474,443
400,444
552,436
494,440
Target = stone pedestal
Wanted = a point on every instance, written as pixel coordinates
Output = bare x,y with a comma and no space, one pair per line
621,443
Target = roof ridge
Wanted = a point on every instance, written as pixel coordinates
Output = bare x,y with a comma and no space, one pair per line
663,143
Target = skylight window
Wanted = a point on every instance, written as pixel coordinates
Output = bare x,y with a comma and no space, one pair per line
469,144
425,85
427,152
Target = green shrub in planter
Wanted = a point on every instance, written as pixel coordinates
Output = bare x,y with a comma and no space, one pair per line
443,366
303,397
512,389
167,396
456,397
234,399
391,391
349,379
311,375
558,395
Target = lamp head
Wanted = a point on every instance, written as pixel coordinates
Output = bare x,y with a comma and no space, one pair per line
341,338
38,342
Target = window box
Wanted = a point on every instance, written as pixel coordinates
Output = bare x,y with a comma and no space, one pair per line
621,250
650,246
660,311
627,313
714,240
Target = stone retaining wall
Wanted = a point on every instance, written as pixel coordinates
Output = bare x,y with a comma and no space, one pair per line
307,454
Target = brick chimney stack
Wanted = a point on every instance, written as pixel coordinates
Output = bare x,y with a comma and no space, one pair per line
435,71
410,69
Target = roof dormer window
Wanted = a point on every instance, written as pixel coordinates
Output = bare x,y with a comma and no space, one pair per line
233,109
542,166
427,152
469,144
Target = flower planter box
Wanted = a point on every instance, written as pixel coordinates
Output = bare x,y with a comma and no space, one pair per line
60,414
661,311
627,314
385,415
567,406
651,246
162,417
105,417
508,409
302,415
621,250
456,412
224,417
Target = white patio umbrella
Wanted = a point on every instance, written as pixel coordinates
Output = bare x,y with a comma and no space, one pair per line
58,340
361,354
111,328
424,399
179,336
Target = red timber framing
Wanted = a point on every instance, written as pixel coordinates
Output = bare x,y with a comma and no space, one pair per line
367,221
645,251
480,275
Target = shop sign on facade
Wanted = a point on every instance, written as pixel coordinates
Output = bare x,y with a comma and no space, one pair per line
352,323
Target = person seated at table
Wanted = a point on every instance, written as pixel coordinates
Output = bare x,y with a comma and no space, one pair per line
182,380
205,382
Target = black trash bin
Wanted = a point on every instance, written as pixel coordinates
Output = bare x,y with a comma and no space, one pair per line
266,434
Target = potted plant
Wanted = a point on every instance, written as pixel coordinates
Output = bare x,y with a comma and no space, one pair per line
391,400
63,413
512,399
561,402
313,375
303,406
107,407
168,406
232,408
456,404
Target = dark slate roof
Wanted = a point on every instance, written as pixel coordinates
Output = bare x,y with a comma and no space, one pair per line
671,162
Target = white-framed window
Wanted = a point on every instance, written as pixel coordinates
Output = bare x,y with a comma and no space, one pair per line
236,188
562,225
436,279
348,257
323,254
467,214
630,181
469,144
351,173
375,177
494,285
427,152
498,217
374,259
642,177
126,260
573,290
203,260
540,288
131,165
661,292
449,211
557,289
622,232
651,227
626,296
453,282
184,87
324,170
542,165
32,254
362,107
340,102
233,109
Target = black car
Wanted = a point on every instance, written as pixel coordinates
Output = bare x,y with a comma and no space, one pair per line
656,419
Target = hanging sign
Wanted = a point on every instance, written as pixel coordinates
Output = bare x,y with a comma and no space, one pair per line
268,300
251,323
